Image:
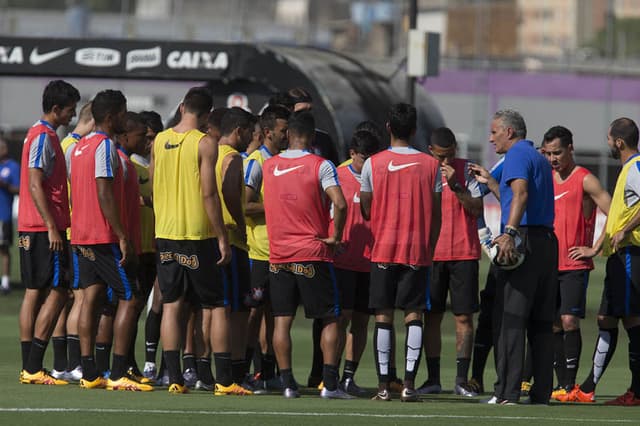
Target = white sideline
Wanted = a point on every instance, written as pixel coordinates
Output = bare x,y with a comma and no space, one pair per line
303,414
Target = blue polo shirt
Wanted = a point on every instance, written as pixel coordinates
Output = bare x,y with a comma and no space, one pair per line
523,161
9,173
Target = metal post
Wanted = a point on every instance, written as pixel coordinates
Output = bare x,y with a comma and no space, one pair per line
413,18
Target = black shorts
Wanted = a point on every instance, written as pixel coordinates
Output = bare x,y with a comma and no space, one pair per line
146,273
259,292
621,293
399,286
313,283
188,268
237,277
460,279
6,233
354,289
41,268
572,292
100,264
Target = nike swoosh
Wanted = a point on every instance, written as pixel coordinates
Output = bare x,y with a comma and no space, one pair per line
394,168
142,181
557,197
356,199
277,172
167,145
40,58
79,151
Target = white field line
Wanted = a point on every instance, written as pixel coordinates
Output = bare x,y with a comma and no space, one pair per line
303,414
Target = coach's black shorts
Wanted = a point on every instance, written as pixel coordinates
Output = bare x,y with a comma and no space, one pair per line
237,277
6,233
259,291
572,292
312,283
354,289
460,279
621,293
399,287
188,267
41,268
100,264
146,273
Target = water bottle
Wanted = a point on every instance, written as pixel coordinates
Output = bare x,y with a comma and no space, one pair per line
485,236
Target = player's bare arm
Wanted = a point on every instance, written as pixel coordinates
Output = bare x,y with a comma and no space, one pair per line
339,215
36,176
251,206
483,176
231,189
207,156
601,198
436,221
365,204
111,212
472,205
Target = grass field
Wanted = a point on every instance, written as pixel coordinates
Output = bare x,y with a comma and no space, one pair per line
70,405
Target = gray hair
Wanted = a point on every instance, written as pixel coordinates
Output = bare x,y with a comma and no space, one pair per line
513,119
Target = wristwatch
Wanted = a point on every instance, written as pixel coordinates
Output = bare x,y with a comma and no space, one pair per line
456,187
511,231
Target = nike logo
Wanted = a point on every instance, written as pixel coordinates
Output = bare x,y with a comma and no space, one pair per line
37,58
557,197
394,168
142,181
356,198
168,145
78,151
278,172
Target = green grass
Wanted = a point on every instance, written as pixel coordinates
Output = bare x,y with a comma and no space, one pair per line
70,405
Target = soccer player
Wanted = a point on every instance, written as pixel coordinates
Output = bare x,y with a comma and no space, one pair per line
401,195
621,294
526,294
578,194
42,220
9,187
455,264
274,121
192,242
236,130
298,187
65,335
353,263
98,231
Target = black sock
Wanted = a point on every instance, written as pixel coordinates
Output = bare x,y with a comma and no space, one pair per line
223,368
59,353
316,363
25,347
602,354
634,358
89,369
482,345
527,371
413,350
188,361
237,370
349,371
73,348
382,350
559,358
131,355
268,366
203,367
433,370
330,376
119,366
172,360
103,352
151,335
248,357
462,370
287,379
36,355
572,350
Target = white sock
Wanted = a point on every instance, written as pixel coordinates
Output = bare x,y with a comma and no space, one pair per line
5,281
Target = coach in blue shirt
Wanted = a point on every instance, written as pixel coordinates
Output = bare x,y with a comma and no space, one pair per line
525,296
9,187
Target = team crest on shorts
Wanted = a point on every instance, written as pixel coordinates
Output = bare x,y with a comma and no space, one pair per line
87,252
191,262
308,271
24,242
